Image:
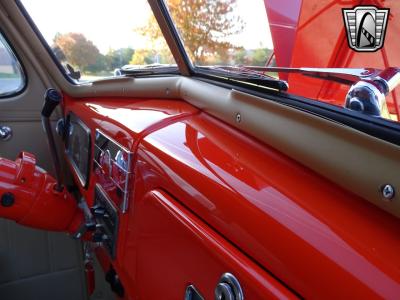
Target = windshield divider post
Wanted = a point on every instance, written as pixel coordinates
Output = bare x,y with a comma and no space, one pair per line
171,36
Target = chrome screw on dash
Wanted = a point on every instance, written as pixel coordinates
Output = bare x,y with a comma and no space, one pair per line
388,192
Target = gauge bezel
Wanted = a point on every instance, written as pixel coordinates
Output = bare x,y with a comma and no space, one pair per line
82,176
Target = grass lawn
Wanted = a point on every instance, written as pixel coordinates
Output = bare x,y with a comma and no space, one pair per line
8,75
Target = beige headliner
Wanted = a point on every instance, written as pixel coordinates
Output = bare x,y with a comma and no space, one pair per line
354,160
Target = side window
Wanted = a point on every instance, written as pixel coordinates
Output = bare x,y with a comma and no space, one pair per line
12,78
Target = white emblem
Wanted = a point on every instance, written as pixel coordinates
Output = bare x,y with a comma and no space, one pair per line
366,27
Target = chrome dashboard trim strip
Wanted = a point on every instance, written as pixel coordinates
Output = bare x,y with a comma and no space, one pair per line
113,162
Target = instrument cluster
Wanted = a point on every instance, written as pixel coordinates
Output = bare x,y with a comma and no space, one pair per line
77,145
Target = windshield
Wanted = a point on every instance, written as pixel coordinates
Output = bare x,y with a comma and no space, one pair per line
223,32
94,39
243,37
231,40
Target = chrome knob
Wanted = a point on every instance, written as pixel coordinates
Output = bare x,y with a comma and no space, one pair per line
5,133
223,291
228,288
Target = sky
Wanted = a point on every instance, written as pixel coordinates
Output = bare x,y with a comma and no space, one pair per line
110,24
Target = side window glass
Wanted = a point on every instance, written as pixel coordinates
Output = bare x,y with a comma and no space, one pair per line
12,79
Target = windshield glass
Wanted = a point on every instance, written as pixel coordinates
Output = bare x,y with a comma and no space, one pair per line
223,32
94,39
244,37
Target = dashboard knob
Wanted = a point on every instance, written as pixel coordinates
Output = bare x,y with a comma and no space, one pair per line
100,237
105,238
52,98
95,207
228,288
99,212
60,128
7,199
223,291
97,236
90,225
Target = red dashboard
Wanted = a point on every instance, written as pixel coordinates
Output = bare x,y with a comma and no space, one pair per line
209,174
204,199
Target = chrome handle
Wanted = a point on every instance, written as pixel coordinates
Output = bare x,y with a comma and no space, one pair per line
192,293
5,133
89,222
108,162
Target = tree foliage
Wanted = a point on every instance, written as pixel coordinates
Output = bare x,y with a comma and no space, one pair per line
152,56
204,25
120,57
143,57
208,29
254,57
100,65
77,50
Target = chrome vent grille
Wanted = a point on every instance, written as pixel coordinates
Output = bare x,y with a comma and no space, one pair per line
112,169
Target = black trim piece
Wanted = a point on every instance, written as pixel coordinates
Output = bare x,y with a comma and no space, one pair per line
43,41
380,128
23,69
140,73
254,80
233,83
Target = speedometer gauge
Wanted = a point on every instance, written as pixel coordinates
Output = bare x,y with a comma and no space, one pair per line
77,146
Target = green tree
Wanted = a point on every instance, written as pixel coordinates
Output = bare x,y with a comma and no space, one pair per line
143,57
78,50
254,57
152,56
260,56
101,64
120,57
205,26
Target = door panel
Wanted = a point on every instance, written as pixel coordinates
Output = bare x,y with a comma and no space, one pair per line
22,114
36,264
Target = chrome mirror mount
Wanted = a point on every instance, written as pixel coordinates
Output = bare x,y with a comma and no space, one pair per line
368,95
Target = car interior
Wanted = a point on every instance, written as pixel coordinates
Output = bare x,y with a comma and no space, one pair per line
181,181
